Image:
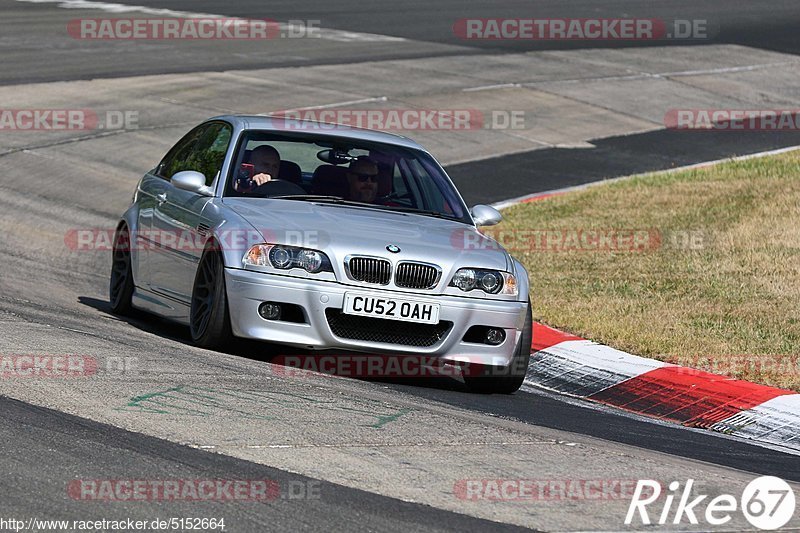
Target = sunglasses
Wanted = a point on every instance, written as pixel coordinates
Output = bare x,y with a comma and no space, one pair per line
362,177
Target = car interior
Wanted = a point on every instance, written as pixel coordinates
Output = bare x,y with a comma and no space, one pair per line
330,179
318,167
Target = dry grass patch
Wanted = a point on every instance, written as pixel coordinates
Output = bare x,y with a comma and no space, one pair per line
716,287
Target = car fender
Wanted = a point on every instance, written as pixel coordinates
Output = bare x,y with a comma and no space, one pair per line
130,218
523,281
233,234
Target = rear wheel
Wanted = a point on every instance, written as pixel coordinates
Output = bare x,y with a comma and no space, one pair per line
505,379
120,286
209,320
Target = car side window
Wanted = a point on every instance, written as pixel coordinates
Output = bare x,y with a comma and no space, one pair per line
202,150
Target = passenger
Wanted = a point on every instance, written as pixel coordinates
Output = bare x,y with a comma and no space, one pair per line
362,180
266,162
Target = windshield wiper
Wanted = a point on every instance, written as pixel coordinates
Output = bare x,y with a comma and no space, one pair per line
315,197
338,200
425,212
341,201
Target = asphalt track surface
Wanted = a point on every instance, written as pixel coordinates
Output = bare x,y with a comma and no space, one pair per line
771,25
32,51
555,168
34,434
63,310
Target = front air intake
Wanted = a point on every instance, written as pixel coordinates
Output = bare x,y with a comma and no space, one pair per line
416,275
370,270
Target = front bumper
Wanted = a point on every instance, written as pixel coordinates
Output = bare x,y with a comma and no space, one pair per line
247,290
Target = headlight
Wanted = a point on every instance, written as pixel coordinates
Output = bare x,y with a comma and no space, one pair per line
280,257
311,260
286,257
465,279
489,281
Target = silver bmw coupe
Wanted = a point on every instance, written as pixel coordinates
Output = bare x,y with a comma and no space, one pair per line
321,237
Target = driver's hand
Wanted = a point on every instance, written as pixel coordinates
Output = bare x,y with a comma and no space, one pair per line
261,179
243,184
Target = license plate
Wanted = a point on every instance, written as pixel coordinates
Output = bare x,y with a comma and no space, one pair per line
391,308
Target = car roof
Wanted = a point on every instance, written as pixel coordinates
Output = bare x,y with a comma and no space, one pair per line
323,129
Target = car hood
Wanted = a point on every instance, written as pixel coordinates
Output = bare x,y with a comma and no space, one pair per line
340,230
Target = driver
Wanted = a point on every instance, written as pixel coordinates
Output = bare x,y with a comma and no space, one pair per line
266,162
362,179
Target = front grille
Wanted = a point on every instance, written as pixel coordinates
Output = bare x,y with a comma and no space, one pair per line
416,276
362,328
370,270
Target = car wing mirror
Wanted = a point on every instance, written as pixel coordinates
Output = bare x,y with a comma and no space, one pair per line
483,215
192,181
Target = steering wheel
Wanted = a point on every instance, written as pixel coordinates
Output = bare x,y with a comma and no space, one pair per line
391,197
278,187
396,196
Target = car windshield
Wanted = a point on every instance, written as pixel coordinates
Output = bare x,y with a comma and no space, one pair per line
321,168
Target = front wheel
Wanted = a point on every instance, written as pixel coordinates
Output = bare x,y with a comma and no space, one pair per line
209,320
505,379
120,286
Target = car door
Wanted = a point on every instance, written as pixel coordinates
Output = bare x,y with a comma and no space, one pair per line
177,212
151,187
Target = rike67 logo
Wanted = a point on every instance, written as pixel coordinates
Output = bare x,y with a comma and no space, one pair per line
767,502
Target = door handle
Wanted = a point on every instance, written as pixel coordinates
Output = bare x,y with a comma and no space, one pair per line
161,197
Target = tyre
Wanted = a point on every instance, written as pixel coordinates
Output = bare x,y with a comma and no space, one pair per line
505,379
209,319
120,286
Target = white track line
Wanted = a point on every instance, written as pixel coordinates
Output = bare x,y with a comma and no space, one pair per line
492,87
335,104
724,70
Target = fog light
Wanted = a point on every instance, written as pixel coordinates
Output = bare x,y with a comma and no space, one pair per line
495,336
269,311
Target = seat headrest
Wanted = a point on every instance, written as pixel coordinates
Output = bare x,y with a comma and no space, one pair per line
290,171
329,180
385,163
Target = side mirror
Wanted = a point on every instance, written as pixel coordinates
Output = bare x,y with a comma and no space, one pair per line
192,181
483,215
